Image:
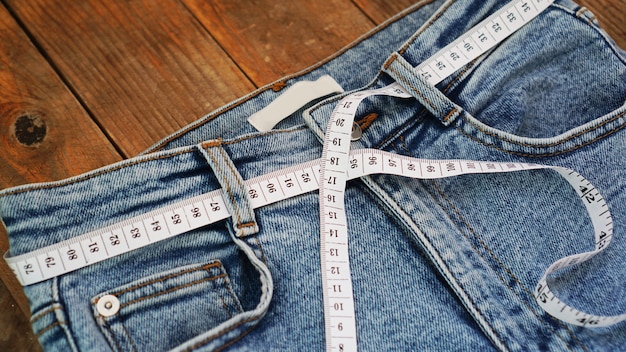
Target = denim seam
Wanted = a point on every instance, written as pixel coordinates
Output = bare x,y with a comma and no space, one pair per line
221,333
252,136
258,243
240,323
128,163
211,116
43,313
540,155
130,338
405,147
49,327
225,306
232,294
92,175
394,218
449,115
479,311
58,313
338,97
213,278
234,340
205,267
173,289
506,269
278,85
435,259
486,321
111,334
541,145
212,143
246,224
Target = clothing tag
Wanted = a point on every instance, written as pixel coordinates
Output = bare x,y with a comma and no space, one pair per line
291,100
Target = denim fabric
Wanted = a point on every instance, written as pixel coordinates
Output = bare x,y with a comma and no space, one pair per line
445,264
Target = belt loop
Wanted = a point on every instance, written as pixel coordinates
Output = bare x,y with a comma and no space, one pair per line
427,94
233,186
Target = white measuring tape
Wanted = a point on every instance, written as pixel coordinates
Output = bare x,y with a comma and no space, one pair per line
339,314
330,174
205,209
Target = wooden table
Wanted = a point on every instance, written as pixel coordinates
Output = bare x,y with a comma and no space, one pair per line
87,83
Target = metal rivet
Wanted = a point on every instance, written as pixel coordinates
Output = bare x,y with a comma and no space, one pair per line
108,305
357,132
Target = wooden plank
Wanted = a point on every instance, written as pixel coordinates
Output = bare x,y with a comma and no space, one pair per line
45,135
270,39
44,132
143,66
380,10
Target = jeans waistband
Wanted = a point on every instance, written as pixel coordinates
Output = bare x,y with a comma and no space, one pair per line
42,214
39,215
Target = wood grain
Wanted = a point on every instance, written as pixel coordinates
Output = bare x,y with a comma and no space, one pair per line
270,39
45,134
380,10
101,80
143,68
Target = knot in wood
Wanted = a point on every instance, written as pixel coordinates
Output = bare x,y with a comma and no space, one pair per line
30,130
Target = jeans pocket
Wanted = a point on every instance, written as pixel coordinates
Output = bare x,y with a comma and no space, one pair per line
165,310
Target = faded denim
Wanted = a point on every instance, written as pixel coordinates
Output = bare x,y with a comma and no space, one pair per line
444,264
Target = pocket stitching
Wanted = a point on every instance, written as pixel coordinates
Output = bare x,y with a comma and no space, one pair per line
525,144
206,267
172,289
215,264
541,155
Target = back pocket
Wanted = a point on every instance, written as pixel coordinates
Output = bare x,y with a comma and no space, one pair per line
165,310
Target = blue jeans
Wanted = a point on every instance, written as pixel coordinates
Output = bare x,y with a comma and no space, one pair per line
446,264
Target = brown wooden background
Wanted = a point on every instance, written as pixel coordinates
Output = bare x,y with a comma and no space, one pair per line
87,83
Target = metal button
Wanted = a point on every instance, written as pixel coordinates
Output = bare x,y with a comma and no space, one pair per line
357,132
108,305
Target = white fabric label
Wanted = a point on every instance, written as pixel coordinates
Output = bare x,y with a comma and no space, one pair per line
291,100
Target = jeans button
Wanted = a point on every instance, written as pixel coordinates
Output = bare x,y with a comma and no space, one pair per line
108,305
